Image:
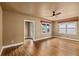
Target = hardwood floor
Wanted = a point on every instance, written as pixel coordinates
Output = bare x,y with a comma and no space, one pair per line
51,47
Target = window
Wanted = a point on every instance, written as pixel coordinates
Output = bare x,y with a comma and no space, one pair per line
45,28
68,28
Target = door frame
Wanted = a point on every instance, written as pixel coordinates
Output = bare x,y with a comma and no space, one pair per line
33,22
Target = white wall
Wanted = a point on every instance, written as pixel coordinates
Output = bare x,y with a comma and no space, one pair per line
13,27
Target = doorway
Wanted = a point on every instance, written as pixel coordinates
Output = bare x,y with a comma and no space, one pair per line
29,29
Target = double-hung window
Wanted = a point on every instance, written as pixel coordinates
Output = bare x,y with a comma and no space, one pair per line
68,28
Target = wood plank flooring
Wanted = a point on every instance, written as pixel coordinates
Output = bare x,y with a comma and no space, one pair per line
50,47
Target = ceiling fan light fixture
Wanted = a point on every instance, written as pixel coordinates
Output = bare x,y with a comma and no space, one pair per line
53,14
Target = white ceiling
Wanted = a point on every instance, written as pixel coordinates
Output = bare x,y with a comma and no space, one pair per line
43,10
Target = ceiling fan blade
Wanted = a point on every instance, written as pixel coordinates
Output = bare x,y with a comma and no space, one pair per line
58,13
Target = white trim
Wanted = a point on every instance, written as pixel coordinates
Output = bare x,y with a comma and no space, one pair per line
43,38
7,46
67,38
57,37
28,20
70,39
46,37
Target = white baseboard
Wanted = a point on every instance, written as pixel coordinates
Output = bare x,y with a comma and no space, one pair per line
57,37
43,38
7,46
46,37
67,38
12,45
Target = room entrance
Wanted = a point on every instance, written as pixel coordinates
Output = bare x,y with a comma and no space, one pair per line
29,29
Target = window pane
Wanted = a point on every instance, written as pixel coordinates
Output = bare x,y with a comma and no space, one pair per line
71,25
63,31
62,28
48,28
71,31
72,28
62,25
45,28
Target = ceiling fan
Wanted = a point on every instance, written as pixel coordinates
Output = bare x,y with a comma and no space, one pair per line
54,13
